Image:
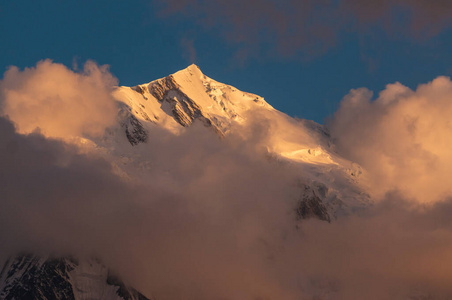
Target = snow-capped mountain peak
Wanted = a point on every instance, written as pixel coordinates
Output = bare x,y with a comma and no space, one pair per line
179,99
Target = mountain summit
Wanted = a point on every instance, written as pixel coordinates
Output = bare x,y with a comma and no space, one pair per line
187,96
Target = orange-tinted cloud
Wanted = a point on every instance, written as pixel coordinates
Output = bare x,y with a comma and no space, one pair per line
401,138
213,221
396,250
60,102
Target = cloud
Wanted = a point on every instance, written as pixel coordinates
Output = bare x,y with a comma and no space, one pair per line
57,201
58,101
299,28
204,218
212,220
254,25
396,250
418,18
400,138
197,224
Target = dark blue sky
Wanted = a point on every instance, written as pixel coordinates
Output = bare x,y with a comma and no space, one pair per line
302,58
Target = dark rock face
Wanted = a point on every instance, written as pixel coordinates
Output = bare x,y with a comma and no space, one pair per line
135,131
183,108
160,88
311,205
141,90
133,128
29,277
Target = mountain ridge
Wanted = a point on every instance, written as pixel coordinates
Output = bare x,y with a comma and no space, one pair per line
175,102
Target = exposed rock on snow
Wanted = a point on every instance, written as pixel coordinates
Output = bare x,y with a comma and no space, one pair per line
33,277
311,204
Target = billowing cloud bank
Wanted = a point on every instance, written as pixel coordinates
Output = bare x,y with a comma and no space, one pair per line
402,138
214,219
58,101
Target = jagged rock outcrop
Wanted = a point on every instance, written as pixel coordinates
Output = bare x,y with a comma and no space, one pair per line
31,277
160,87
134,130
184,109
65,278
141,90
311,204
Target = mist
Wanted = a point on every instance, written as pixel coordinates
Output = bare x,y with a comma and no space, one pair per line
211,218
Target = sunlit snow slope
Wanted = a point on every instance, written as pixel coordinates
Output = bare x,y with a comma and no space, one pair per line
187,96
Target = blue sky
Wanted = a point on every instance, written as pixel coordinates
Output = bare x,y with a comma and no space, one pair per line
302,58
